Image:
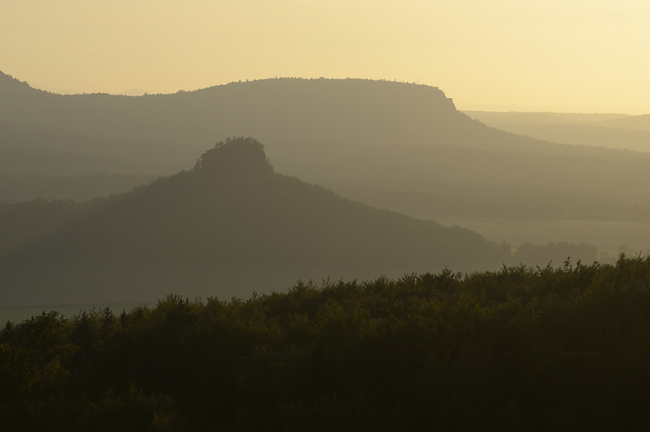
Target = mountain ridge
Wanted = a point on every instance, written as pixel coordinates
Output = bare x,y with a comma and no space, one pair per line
377,135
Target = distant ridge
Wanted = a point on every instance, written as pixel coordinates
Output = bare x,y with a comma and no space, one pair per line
394,145
640,122
350,109
542,118
11,87
289,114
611,131
311,127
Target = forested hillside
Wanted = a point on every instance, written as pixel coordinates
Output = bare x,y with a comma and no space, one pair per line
517,349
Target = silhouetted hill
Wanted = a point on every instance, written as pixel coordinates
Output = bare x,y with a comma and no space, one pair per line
231,209
300,120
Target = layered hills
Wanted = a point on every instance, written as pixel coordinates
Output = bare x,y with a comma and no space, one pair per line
403,147
394,145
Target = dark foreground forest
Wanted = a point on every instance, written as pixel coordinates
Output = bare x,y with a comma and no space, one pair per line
546,349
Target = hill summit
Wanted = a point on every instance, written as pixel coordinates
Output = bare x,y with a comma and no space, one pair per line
235,158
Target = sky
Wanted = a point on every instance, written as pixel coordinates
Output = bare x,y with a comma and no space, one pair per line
498,55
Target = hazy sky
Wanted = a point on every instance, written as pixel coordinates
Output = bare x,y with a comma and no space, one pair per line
556,55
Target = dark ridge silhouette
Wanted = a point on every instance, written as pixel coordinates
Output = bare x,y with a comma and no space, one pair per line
232,208
10,86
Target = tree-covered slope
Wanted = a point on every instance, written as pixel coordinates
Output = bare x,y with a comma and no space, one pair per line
561,349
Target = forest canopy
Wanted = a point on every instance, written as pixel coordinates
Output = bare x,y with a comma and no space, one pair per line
517,349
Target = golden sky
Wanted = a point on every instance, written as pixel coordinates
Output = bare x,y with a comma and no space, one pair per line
551,55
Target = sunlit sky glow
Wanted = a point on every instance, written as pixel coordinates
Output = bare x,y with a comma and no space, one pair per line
552,55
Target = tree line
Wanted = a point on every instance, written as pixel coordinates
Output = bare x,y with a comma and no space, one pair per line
521,348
